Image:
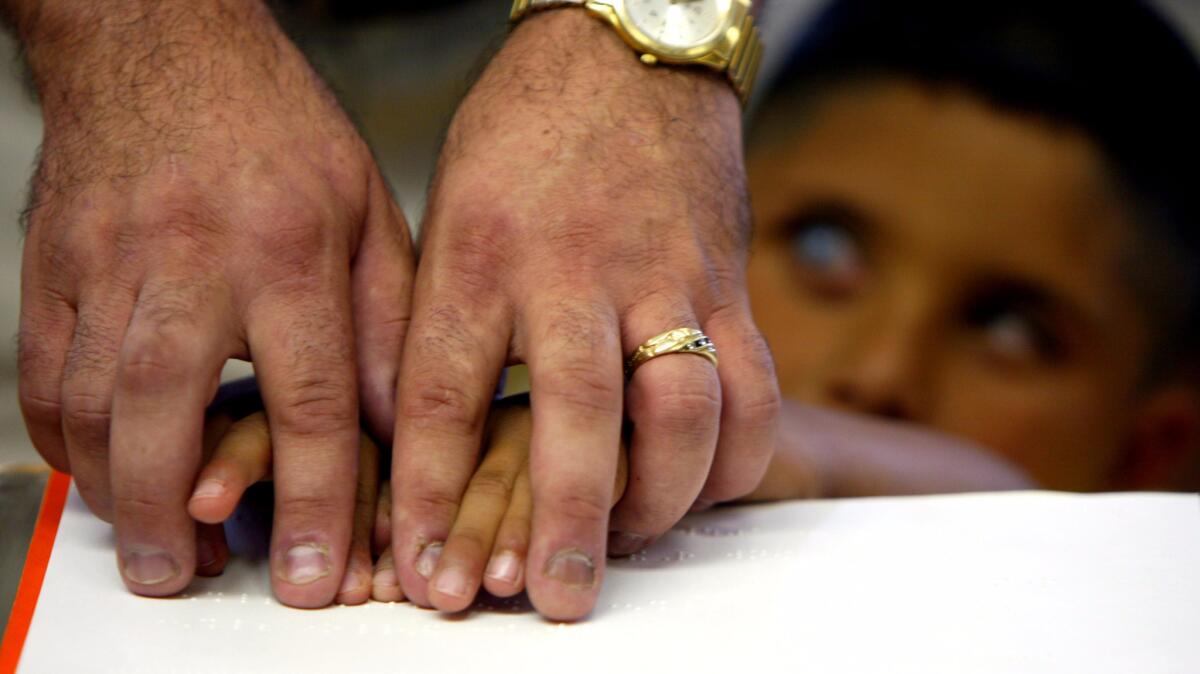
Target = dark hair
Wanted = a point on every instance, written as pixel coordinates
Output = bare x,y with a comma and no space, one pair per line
1113,69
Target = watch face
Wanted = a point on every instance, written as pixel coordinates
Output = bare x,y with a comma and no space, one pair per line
678,23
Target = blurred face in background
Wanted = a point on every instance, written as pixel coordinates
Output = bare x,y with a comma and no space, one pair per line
924,256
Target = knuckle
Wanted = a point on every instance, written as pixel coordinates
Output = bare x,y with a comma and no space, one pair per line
176,219
312,507
170,305
580,506
656,502
584,390
517,520
388,328
514,534
761,361
136,506
758,403
732,479
431,504
649,520
728,485
39,389
74,241
471,536
579,320
759,409
479,263
684,405
95,495
293,249
491,484
578,240
440,337
156,361
138,498
39,406
435,393
442,403
318,406
92,351
87,416
37,355
582,387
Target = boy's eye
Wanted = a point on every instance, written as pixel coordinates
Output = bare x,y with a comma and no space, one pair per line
1014,334
828,254
1013,337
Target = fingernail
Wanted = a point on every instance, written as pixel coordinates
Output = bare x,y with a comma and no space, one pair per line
206,554
385,586
505,567
621,543
428,559
701,505
350,582
209,489
385,577
571,567
149,566
451,582
305,563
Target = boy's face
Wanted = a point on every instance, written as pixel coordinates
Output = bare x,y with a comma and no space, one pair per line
925,256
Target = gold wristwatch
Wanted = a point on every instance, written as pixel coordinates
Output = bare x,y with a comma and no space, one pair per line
719,34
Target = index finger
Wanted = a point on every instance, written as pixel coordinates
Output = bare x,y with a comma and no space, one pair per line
167,369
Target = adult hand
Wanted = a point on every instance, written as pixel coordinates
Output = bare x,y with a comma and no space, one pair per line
238,455
583,203
201,196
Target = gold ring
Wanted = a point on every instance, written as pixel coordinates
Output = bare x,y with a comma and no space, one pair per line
679,340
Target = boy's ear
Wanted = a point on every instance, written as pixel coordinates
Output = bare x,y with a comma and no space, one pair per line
1163,447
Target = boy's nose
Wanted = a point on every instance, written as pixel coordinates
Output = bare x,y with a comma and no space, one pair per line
883,374
869,397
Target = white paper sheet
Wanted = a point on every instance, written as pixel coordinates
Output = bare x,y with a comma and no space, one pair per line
1028,582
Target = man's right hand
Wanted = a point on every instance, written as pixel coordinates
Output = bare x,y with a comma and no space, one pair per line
201,196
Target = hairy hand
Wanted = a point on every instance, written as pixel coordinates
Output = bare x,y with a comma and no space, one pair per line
583,203
201,196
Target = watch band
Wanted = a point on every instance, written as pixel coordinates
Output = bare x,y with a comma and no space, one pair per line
743,65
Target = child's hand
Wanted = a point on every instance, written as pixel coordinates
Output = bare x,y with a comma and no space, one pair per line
487,543
239,455
490,536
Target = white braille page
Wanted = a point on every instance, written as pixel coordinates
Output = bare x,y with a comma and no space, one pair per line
1020,582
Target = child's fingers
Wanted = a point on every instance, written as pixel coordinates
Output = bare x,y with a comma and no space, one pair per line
385,586
356,583
216,425
455,579
622,472
458,572
241,458
505,575
212,551
382,537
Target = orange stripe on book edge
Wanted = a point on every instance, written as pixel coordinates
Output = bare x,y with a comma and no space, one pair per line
35,570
